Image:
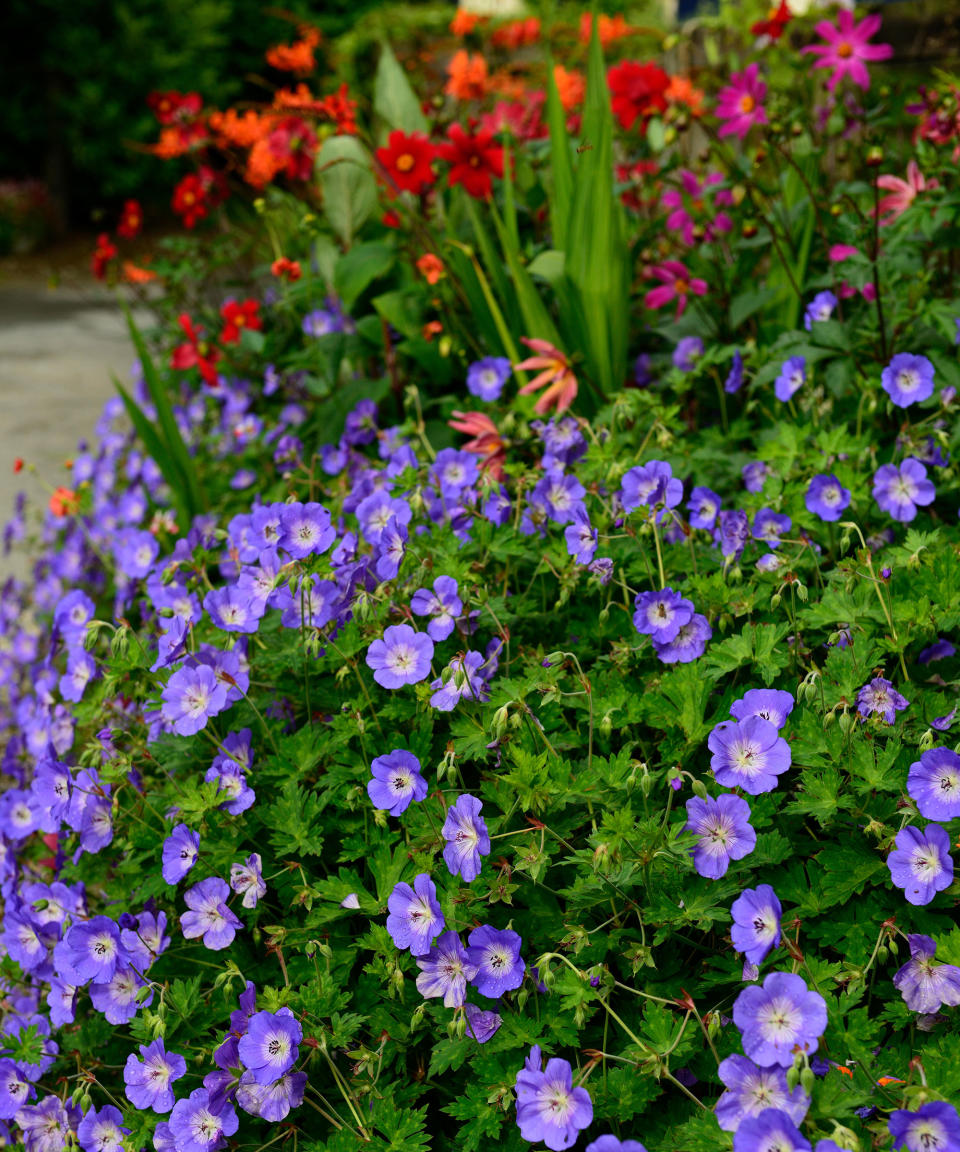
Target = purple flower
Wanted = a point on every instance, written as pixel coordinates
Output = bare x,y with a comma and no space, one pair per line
191,697
415,917
481,1025
445,970
771,704
792,377
118,998
102,1131
748,754
209,915
880,698
940,650
769,1131
396,782
496,956
45,1127
486,377
924,985
826,497
703,505
376,511
465,832
768,526
15,1089
751,1090
734,380
649,485
723,832
454,470
196,1127
247,879
463,676
779,1017
689,644
135,552
661,615
443,604
581,538
305,530
921,864
934,784
820,308
934,1127
149,1079
908,379
687,352
91,950
732,532
900,490
756,923
271,1102
562,494
612,1144
402,657
180,851
271,1045
754,474
549,1109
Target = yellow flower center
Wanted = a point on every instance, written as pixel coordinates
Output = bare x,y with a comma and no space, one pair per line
405,162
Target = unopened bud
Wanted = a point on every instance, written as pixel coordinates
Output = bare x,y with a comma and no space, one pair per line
882,954
846,723
807,1080
699,789
801,591
874,156
775,600
793,1078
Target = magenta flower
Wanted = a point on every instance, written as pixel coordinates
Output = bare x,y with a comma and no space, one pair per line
846,48
740,104
688,207
676,283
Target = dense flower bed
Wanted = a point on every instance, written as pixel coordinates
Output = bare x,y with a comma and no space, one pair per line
495,682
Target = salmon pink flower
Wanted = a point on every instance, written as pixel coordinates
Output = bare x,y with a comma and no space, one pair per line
902,192
486,440
846,48
556,373
430,266
676,284
740,104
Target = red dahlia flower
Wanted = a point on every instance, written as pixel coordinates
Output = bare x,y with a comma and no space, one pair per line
131,220
104,252
238,315
195,353
777,19
639,90
406,161
474,160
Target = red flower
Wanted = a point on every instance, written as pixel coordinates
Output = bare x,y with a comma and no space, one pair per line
517,33
131,220
406,161
197,193
238,315
64,502
286,269
18,464
341,110
474,160
430,267
195,353
776,21
639,90
104,252
172,107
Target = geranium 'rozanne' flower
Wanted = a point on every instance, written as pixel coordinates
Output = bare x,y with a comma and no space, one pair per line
723,831
924,984
778,1018
934,1127
445,970
751,1089
549,1109
271,1045
466,836
402,657
934,784
921,864
397,781
195,1127
496,955
748,754
209,915
900,491
148,1079
415,917
908,379
756,922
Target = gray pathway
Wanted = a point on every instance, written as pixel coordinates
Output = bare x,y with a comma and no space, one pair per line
58,349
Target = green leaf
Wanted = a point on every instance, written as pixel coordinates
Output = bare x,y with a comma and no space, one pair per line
345,173
394,100
548,265
357,269
401,309
294,818
560,188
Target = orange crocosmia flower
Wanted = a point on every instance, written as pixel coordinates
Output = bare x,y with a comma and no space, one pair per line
286,269
170,145
431,329
64,502
846,1071
463,23
507,85
681,90
430,267
300,98
133,274
571,86
468,76
263,164
342,110
885,1080
486,441
298,56
242,129
556,373
609,28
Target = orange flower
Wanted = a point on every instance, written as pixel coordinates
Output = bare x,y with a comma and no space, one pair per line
339,108
286,269
263,164
885,1080
297,57
517,33
486,440
680,90
430,267
846,1071
468,76
507,85
609,28
171,144
463,23
557,373
64,502
242,129
571,86
431,329
300,97
132,274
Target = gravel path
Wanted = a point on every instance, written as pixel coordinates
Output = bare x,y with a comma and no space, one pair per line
58,349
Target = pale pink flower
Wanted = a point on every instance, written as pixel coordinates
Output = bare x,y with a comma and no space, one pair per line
846,48
486,441
557,373
676,284
902,192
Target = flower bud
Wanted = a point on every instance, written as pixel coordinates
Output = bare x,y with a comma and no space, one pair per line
775,600
846,723
883,954
699,789
801,591
793,1078
927,740
874,157
808,1080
